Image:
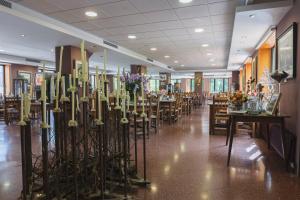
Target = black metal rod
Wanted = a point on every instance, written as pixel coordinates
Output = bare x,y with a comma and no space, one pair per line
144,149
24,170
28,150
135,144
125,159
45,161
74,160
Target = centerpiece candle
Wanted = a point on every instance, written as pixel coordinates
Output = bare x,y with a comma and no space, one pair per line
143,99
22,108
44,98
99,101
97,76
58,77
118,86
134,101
105,62
63,86
128,99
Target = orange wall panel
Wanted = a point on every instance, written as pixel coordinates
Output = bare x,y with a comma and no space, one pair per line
264,62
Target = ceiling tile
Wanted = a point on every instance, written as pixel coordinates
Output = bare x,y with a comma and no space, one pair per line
222,7
195,22
175,32
177,4
159,16
118,9
42,6
133,19
222,27
86,26
222,19
108,23
192,12
150,5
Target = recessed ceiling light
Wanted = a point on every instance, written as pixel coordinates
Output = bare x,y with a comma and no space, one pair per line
153,49
182,65
1,50
185,1
52,50
252,16
205,45
213,64
211,60
22,35
176,61
131,36
167,56
209,54
91,13
199,30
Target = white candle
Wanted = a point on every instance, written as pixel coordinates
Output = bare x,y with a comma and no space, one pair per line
73,101
118,87
22,108
143,100
123,105
63,87
102,85
134,99
58,77
99,102
70,80
128,99
97,76
44,101
105,62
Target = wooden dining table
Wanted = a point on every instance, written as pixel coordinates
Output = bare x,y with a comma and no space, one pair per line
167,104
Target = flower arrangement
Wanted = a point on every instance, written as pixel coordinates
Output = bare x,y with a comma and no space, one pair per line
133,82
237,98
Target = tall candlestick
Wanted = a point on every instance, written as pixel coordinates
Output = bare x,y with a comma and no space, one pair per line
99,103
134,101
118,89
52,87
22,108
56,109
44,99
105,62
63,86
70,80
128,99
102,86
143,99
97,76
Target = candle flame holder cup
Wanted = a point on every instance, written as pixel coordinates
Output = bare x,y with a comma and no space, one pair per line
21,123
45,125
64,99
73,123
124,121
99,122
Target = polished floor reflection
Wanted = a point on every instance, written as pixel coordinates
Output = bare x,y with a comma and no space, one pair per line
184,163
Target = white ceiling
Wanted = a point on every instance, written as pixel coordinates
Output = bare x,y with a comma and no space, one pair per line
39,41
165,24
247,31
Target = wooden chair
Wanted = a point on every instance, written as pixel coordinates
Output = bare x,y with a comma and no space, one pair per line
155,113
11,109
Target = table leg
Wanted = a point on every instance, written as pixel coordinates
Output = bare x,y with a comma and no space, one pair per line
283,144
228,130
232,131
170,114
268,136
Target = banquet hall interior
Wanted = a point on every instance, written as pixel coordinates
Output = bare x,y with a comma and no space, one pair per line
149,99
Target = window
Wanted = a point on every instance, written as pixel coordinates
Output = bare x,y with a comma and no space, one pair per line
212,85
1,81
219,85
173,81
154,85
192,86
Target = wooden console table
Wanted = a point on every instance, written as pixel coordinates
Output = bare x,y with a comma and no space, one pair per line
261,118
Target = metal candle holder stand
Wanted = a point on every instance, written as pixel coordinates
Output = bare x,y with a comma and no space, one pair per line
87,161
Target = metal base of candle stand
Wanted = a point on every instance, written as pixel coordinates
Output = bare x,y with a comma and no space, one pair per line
145,181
